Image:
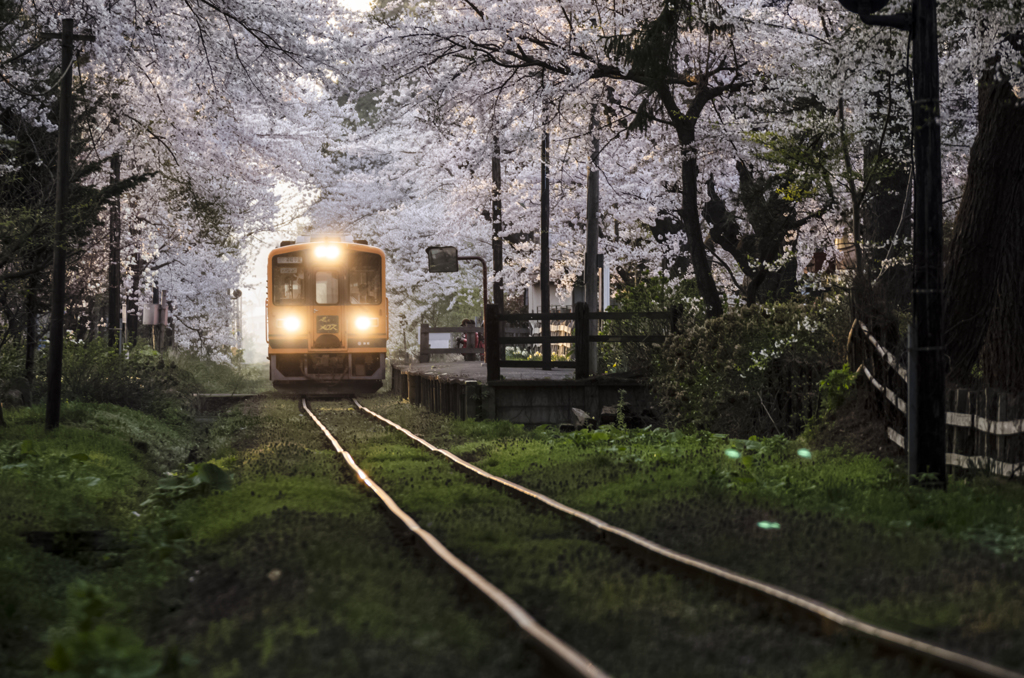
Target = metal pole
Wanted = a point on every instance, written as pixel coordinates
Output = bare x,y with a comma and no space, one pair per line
55,364
927,426
484,287
484,264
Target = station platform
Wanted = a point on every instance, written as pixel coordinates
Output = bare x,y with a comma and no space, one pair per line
476,370
523,395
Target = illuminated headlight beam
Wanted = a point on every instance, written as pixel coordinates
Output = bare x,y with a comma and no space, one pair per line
327,251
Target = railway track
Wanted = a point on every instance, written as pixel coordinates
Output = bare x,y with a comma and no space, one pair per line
826,620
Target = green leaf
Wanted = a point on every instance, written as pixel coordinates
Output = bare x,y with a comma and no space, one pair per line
215,477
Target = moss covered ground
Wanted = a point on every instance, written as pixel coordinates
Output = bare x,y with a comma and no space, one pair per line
296,571
846,528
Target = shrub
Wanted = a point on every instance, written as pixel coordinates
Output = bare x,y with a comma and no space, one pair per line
140,378
753,371
226,373
650,295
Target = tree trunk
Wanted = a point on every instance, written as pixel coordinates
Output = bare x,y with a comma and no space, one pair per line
31,338
985,274
685,127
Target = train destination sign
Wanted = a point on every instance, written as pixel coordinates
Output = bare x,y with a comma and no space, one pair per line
327,323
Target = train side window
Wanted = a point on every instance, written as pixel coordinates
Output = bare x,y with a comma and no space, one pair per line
364,278
326,287
289,282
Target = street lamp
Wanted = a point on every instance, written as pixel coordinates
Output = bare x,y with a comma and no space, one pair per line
446,260
926,405
236,294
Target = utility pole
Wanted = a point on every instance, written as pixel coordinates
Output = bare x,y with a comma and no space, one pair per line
545,255
593,231
926,389
927,429
496,243
114,271
54,368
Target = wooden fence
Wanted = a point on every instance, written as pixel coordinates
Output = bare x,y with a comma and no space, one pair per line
984,427
582,340
426,351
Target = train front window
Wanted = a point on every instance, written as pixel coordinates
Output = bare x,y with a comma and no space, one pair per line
364,278
326,287
289,280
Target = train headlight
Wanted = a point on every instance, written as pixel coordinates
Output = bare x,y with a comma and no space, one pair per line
363,323
327,251
291,324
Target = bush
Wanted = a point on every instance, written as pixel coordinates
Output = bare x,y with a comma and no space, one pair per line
141,378
654,294
227,373
14,386
753,371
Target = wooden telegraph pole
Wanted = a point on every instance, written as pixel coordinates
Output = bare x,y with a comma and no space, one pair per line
545,255
927,428
54,368
593,231
496,242
114,270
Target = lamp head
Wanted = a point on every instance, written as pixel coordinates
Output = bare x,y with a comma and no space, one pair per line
864,6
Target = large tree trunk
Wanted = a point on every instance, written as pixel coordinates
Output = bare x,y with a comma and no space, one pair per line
985,269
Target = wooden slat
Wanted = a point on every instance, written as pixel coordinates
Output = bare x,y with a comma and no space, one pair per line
615,339
651,315
536,363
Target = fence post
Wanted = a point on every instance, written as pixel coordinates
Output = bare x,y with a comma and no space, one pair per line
991,414
494,351
1002,414
853,339
951,406
424,343
975,439
582,340
1013,442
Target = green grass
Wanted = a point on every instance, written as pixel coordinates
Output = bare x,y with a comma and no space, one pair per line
633,621
845,528
90,474
297,571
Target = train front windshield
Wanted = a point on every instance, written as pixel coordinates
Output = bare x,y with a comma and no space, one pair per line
364,278
289,280
355,280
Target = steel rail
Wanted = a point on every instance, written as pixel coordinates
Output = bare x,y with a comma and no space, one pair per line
562,655
829,619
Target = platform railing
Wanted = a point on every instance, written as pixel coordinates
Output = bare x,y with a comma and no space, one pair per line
426,351
584,340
